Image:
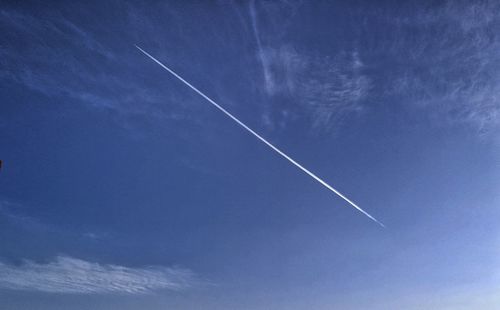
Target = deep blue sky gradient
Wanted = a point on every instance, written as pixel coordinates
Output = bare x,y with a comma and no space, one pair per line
108,159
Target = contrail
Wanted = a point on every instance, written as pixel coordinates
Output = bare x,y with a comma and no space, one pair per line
262,139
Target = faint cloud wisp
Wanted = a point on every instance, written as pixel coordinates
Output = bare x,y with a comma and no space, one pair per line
75,276
446,60
50,56
323,89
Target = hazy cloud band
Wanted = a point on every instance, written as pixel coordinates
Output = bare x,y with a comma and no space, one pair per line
76,276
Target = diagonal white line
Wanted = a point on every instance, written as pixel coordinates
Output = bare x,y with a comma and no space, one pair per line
262,139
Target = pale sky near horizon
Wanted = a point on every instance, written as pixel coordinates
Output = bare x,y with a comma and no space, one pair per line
122,188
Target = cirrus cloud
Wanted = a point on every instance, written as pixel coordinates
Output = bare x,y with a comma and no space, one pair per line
76,276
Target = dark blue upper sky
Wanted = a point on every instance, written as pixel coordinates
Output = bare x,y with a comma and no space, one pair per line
122,188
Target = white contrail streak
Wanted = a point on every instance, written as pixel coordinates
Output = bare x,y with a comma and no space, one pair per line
262,139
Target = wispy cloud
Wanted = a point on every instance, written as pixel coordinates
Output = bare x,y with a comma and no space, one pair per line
60,59
263,60
336,87
443,60
76,276
11,215
26,222
323,88
446,60
279,62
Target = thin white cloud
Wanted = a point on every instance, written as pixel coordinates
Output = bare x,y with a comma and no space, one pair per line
324,89
26,222
443,60
263,56
336,87
54,62
76,276
446,60
279,62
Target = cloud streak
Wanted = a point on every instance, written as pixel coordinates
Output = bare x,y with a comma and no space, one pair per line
445,61
442,61
264,60
49,56
322,88
75,276
24,221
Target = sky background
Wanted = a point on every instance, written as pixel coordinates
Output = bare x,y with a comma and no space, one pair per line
122,188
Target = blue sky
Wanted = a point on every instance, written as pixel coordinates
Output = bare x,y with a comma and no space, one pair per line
122,188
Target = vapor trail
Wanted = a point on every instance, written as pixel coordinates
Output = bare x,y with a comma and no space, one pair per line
262,139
